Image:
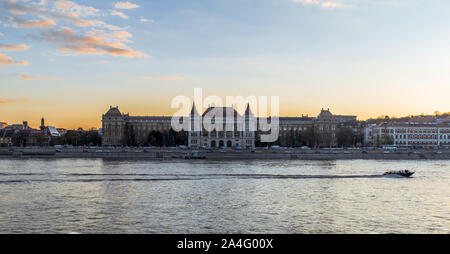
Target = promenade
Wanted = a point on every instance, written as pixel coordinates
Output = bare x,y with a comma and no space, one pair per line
228,154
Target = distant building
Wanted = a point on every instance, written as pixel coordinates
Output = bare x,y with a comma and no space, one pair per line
3,125
18,127
343,119
42,137
6,137
239,134
42,127
124,130
410,133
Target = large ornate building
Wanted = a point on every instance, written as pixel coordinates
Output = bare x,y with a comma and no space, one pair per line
125,130
409,134
122,129
220,134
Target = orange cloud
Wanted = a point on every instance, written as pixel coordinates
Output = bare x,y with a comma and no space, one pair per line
80,22
121,35
166,78
37,23
63,11
120,14
125,5
89,44
6,101
6,60
10,47
30,77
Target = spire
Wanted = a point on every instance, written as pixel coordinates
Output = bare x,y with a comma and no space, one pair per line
194,109
248,111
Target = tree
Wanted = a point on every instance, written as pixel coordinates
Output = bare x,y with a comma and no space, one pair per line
19,139
155,138
130,136
345,137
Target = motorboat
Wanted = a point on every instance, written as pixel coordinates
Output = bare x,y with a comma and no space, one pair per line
404,173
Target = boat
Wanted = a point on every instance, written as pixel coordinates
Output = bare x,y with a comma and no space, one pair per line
404,173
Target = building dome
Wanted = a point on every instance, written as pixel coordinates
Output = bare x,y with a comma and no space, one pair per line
325,114
113,111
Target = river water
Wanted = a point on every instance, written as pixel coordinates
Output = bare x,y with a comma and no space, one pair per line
268,196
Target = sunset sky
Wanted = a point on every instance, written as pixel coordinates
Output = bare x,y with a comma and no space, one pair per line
68,61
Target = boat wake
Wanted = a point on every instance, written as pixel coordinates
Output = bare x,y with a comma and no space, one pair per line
93,177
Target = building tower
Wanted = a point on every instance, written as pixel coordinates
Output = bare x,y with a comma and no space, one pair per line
42,127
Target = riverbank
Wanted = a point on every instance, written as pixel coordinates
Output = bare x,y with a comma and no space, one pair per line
257,154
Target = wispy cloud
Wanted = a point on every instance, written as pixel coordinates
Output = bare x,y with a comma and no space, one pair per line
121,35
125,5
38,23
118,13
66,11
30,77
7,101
7,60
145,20
321,3
68,41
11,47
167,78
94,42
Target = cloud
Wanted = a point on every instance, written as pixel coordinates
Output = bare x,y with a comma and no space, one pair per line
166,78
125,5
6,60
321,3
75,9
30,77
118,13
92,44
330,4
2,34
10,47
121,35
63,11
38,23
144,20
7,101
22,23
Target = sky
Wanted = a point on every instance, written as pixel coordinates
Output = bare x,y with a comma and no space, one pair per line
68,61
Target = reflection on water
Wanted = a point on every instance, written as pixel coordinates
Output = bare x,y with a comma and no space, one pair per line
293,196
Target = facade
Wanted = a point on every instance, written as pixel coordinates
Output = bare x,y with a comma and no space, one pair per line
325,129
320,131
5,138
42,137
124,130
238,134
409,134
294,131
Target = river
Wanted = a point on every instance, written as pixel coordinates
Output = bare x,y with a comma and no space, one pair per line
251,196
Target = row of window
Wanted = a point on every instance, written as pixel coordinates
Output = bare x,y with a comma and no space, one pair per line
402,136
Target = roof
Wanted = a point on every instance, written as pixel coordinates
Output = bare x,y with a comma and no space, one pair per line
325,114
221,111
53,131
411,124
113,111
